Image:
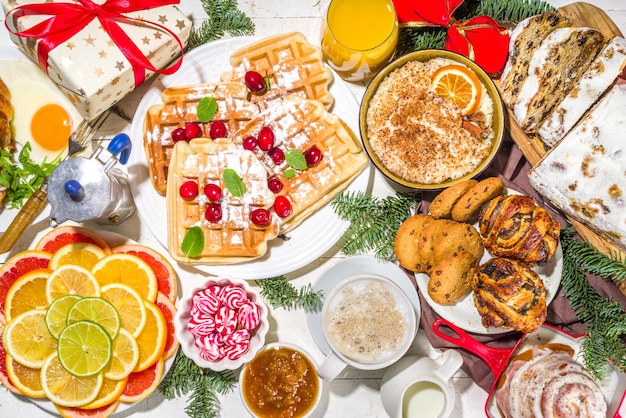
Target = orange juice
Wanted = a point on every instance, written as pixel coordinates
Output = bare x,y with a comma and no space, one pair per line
359,37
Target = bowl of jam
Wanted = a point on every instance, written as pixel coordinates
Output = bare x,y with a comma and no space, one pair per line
280,381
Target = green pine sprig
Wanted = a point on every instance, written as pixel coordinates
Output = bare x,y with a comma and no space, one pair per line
202,385
510,11
605,318
224,17
281,294
374,222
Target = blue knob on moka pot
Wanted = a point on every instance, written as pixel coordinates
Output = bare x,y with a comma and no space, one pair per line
83,189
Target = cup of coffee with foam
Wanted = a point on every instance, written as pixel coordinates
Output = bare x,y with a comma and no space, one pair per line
368,322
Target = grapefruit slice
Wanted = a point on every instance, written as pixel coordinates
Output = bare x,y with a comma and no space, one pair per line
141,384
102,412
165,274
169,310
15,267
63,235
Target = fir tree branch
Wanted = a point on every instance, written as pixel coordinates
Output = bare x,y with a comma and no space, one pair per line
202,385
224,17
282,294
374,221
605,318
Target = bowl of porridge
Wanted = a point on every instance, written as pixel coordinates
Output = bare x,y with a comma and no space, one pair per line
420,137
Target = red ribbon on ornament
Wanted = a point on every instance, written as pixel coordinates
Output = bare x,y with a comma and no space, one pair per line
481,38
67,19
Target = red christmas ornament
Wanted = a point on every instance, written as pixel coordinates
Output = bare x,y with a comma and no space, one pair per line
480,39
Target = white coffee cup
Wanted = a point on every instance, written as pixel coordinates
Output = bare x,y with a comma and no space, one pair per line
420,386
368,322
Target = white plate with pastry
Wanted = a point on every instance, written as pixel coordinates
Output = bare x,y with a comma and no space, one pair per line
310,240
464,314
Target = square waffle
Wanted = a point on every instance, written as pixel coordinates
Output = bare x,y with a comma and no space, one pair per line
234,238
290,62
179,108
302,124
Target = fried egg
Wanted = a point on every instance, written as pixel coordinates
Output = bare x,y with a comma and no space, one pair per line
43,115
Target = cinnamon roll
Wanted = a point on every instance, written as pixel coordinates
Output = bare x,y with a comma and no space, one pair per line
546,381
509,294
516,227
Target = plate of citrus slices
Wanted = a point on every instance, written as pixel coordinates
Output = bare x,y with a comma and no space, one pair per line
87,320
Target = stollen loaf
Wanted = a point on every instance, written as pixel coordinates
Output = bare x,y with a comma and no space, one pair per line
584,175
596,80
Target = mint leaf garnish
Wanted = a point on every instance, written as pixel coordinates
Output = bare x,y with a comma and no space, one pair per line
233,182
207,108
296,159
193,243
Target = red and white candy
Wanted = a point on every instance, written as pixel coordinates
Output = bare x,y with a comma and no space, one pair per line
222,318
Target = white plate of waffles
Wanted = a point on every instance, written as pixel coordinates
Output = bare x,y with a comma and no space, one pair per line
308,241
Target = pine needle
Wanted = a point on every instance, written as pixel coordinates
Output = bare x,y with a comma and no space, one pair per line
282,294
224,17
605,318
374,221
202,385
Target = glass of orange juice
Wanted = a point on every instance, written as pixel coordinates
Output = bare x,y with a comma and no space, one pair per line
359,37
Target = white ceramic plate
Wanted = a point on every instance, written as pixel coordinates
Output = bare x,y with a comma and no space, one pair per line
114,239
349,267
463,313
9,53
309,240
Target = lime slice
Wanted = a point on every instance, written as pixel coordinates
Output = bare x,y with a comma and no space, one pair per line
97,310
85,348
66,389
125,356
129,305
27,339
56,315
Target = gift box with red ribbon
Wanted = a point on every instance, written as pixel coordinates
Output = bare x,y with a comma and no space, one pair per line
99,51
480,38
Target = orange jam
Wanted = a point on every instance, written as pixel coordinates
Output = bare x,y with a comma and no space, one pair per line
280,382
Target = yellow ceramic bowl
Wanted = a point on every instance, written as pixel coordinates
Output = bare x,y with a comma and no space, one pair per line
427,55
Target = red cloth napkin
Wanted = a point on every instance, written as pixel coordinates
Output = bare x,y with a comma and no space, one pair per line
512,167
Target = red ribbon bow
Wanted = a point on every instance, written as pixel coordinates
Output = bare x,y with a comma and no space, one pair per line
480,39
67,19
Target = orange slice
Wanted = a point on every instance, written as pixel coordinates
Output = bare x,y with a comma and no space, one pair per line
152,339
129,270
26,379
27,293
77,253
459,85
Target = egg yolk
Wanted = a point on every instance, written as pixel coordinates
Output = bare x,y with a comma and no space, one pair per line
51,127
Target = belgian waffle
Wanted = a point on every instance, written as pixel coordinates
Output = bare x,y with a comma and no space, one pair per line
290,62
234,238
179,108
301,124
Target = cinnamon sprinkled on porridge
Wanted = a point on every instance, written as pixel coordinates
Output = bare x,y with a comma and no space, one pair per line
418,135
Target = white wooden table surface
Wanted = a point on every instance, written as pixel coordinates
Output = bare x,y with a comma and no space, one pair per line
353,394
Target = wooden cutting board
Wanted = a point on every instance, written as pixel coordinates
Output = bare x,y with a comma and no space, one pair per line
582,14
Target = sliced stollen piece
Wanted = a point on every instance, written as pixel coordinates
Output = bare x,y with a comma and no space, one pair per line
596,80
291,64
585,174
524,40
554,68
180,108
299,126
232,238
